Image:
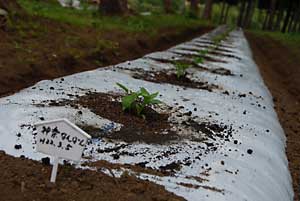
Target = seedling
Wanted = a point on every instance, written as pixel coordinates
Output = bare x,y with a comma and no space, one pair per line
181,68
200,59
203,52
217,39
137,101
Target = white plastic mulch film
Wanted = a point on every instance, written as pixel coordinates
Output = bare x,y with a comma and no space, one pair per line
249,164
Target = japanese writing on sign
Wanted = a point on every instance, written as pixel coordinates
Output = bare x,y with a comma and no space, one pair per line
61,138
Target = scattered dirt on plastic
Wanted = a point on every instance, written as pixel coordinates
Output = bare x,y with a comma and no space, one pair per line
205,57
214,70
217,52
218,70
195,186
200,43
167,126
279,66
218,48
185,81
154,128
137,168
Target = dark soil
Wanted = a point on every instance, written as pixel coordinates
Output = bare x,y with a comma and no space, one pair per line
215,52
27,180
163,77
279,66
218,48
205,57
136,128
219,71
156,128
200,43
138,167
30,53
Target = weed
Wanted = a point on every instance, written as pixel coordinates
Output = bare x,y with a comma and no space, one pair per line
181,68
200,58
137,101
291,39
203,52
220,37
18,46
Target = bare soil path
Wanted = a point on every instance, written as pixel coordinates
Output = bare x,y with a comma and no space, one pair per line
280,68
24,180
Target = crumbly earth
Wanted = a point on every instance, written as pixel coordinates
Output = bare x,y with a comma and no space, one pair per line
155,127
279,66
29,53
23,180
164,77
148,129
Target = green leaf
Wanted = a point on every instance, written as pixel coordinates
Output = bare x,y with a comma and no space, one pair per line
137,101
123,87
203,52
149,99
127,101
198,60
154,95
180,68
139,109
155,101
144,92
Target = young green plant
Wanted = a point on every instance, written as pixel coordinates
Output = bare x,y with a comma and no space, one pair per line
218,38
200,58
181,68
138,101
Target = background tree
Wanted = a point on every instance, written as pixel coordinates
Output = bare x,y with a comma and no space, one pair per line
168,6
227,8
208,9
272,11
194,7
296,18
287,16
241,16
113,7
11,6
251,4
223,7
279,15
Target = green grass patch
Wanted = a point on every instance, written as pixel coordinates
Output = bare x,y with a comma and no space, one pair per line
290,39
92,18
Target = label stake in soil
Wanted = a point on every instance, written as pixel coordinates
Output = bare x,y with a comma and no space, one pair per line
61,139
54,169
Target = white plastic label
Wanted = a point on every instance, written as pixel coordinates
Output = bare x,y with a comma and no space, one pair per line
60,139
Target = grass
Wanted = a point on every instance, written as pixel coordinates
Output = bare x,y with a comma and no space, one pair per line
92,18
291,39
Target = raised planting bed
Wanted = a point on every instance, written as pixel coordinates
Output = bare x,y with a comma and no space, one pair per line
201,144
